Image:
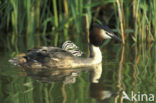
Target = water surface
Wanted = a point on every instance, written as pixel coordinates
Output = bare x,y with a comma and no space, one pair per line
130,69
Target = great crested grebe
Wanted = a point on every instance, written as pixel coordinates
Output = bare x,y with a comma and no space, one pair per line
54,57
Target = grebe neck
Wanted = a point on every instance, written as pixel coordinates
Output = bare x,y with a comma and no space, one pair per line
95,53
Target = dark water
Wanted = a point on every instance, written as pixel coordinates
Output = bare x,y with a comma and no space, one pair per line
130,69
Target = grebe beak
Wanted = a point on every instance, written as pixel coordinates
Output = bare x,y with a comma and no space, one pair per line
108,33
115,37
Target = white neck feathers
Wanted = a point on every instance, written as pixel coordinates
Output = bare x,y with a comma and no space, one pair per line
96,54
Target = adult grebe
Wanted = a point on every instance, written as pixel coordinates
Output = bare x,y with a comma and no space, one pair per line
54,57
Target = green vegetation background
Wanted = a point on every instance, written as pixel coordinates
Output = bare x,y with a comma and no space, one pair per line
25,24
29,23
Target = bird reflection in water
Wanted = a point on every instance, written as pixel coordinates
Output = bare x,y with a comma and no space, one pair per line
68,76
97,89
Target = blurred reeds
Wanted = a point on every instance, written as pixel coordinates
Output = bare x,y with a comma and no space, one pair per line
29,23
51,22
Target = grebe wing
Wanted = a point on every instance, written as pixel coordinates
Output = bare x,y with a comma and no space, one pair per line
40,54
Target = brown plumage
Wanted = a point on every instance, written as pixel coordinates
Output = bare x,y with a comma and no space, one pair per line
44,57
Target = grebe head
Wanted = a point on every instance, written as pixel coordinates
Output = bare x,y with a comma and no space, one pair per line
99,33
